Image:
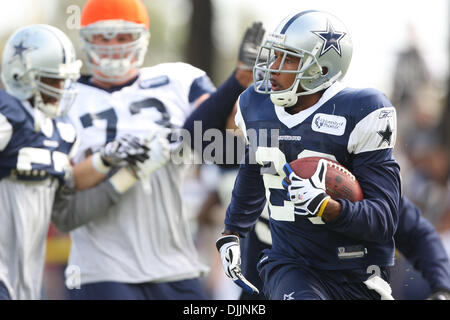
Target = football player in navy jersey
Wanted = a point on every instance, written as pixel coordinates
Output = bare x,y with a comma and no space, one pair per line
39,70
322,248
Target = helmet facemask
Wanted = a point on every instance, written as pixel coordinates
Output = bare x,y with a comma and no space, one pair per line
54,101
113,62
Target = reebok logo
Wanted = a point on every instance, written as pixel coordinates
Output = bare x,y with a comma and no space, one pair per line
385,114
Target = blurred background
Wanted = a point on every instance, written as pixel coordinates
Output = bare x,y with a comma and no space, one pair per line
400,47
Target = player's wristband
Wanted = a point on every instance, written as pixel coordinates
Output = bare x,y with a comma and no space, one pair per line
99,165
322,207
123,180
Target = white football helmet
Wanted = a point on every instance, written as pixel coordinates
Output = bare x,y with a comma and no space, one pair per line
36,52
109,18
324,47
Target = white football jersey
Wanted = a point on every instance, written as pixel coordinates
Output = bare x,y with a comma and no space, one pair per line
145,237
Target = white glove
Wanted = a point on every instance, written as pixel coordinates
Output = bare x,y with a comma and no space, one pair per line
230,253
125,150
158,154
120,152
308,195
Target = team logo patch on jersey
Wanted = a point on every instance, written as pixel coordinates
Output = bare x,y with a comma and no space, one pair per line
154,82
386,135
330,124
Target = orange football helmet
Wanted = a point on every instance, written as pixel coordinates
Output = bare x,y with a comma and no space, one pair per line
109,18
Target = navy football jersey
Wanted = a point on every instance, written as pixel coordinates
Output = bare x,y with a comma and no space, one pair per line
31,154
355,127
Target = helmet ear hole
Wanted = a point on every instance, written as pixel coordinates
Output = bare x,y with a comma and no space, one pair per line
324,71
313,70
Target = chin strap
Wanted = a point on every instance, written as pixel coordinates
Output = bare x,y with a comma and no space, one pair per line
47,109
289,98
279,99
286,99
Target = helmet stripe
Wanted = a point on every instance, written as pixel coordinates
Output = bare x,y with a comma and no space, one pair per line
63,53
61,42
287,25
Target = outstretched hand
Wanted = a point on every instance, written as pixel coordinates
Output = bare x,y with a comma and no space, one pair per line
250,44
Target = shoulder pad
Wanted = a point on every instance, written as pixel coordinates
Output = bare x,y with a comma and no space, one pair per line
368,100
250,98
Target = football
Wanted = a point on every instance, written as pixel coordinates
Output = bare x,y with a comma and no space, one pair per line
340,183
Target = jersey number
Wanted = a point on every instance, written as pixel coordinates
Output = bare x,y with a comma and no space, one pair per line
111,117
272,182
29,156
111,122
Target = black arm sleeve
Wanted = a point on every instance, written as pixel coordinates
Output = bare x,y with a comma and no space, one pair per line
213,114
375,218
248,199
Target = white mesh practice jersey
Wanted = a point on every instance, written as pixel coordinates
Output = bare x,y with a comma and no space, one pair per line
24,229
146,236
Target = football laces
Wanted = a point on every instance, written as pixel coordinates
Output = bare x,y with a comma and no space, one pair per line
340,168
